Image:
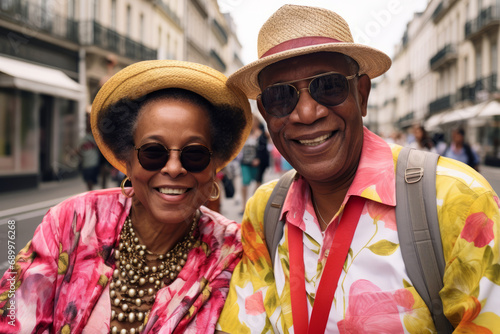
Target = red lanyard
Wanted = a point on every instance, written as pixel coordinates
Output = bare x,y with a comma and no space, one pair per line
331,272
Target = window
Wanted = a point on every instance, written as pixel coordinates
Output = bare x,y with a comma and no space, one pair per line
28,134
71,9
113,14
18,132
7,130
95,10
466,70
67,141
169,55
478,64
129,20
159,37
494,57
141,28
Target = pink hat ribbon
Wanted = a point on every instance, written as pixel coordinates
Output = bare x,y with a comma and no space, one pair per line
298,43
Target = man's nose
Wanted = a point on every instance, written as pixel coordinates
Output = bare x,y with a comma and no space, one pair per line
307,110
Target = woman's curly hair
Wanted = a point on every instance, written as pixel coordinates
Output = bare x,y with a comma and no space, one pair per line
117,123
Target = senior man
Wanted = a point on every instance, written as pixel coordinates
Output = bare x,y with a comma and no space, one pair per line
312,83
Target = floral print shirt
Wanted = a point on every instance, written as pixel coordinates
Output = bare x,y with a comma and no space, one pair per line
374,293
61,278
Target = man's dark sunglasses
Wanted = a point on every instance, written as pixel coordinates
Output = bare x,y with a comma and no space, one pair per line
154,156
329,89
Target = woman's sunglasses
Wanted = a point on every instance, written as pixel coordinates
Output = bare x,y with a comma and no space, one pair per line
329,89
154,156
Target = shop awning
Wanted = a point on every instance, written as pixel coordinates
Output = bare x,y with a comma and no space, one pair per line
433,122
38,79
457,115
491,109
461,114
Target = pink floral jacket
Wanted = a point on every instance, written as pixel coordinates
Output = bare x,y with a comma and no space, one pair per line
59,283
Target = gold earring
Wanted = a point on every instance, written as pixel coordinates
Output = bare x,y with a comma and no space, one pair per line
122,185
216,189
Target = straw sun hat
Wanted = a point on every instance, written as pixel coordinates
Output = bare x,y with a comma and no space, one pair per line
145,77
298,30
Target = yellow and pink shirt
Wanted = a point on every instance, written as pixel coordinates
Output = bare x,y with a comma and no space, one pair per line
374,293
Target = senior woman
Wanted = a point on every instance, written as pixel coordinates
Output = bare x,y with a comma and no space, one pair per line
147,258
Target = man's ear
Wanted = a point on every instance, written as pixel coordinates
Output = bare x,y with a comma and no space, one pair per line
364,86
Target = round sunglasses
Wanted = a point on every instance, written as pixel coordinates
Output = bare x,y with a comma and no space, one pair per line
329,89
154,156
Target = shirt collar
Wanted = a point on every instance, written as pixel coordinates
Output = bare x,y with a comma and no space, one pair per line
374,179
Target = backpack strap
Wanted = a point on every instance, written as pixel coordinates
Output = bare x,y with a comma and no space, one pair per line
273,226
418,229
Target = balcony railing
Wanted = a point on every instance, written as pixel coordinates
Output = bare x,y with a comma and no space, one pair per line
472,91
167,10
441,10
34,19
406,120
437,12
218,60
487,17
220,31
95,34
440,104
443,56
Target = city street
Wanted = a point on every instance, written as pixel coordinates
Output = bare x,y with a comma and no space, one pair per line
27,208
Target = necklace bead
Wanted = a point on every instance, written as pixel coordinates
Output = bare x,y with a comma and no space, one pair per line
133,272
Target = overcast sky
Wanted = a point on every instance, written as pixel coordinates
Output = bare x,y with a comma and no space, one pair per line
377,23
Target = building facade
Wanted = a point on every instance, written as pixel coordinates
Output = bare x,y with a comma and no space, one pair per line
444,74
56,54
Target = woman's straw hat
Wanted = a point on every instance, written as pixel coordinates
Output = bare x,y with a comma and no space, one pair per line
298,30
145,77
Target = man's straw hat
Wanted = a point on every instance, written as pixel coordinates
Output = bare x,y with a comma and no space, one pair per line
145,77
298,30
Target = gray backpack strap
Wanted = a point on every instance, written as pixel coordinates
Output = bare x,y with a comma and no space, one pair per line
418,229
273,226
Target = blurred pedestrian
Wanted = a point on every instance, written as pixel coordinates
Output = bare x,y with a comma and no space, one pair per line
249,161
422,141
439,143
460,150
262,154
90,156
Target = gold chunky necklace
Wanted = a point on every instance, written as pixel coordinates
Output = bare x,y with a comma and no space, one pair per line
127,289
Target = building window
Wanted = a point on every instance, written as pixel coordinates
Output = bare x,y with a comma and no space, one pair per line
478,65
159,37
95,9
129,21
113,14
67,141
18,132
169,55
141,28
71,9
7,130
466,70
494,57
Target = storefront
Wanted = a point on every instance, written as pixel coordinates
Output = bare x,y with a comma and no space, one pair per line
39,124
482,124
